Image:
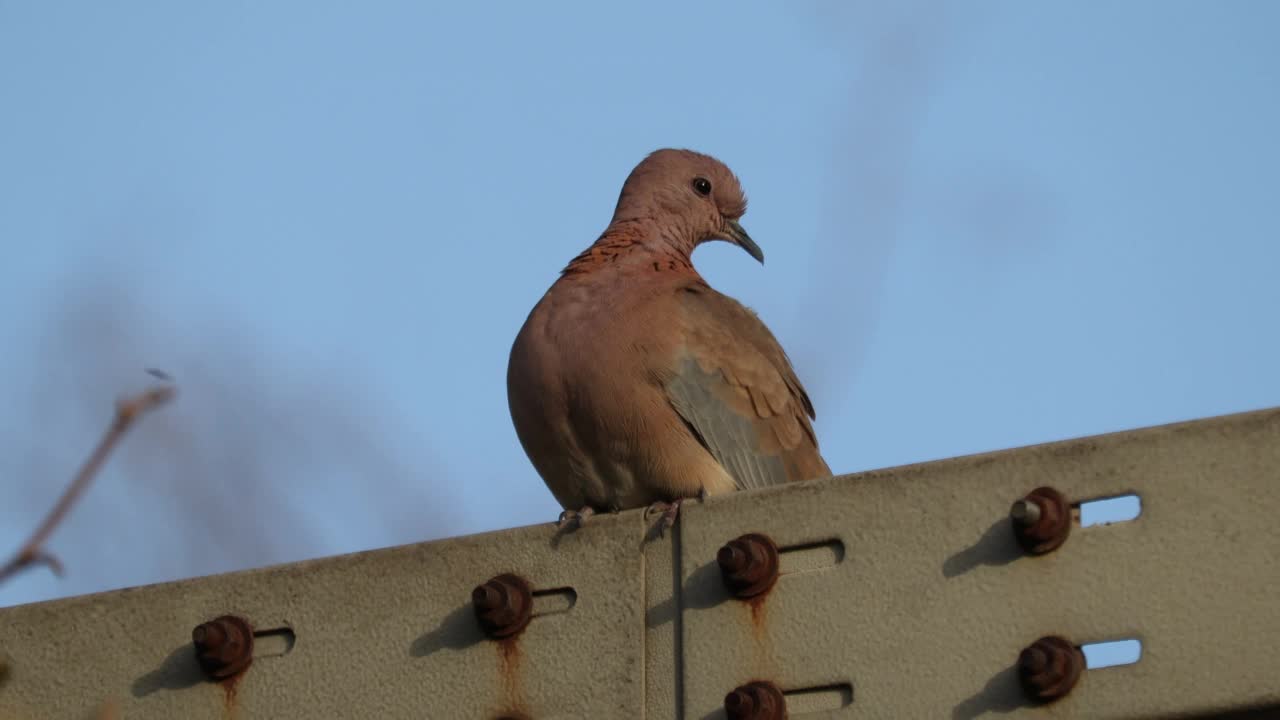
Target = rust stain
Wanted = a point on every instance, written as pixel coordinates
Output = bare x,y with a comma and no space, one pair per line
762,647
230,687
110,710
759,615
510,658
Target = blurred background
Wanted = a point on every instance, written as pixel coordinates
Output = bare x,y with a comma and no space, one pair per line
987,224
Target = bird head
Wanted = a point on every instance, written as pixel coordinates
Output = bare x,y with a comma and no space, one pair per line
693,198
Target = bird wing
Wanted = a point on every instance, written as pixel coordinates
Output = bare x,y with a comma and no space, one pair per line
736,391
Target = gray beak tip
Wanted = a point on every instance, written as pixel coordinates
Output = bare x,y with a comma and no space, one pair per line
739,237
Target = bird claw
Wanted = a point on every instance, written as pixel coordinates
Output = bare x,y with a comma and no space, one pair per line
574,519
670,511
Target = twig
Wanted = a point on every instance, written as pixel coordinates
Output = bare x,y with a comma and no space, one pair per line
128,410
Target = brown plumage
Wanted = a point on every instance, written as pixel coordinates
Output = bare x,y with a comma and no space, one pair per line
633,382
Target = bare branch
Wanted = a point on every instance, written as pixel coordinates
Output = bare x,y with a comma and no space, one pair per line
128,410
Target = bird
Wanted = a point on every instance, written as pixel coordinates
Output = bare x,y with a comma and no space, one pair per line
633,383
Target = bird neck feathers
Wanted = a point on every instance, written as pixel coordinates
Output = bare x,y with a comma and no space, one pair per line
639,243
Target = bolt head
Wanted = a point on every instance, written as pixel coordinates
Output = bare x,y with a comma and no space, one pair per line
487,596
1025,512
1033,660
739,704
759,700
731,558
748,565
1041,521
223,646
1049,668
209,635
503,605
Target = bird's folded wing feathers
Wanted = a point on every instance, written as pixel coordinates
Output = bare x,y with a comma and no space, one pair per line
734,387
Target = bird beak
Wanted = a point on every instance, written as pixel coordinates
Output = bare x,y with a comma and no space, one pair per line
734,233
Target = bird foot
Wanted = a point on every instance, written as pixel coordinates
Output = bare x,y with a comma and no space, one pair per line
670,511
574,519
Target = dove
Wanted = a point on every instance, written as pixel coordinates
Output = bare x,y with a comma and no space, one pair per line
633,383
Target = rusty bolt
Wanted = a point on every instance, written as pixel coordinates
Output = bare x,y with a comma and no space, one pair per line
749,565
1041,520
1049,668
759,700
503,605
224,646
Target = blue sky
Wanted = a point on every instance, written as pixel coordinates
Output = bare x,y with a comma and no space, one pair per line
987,224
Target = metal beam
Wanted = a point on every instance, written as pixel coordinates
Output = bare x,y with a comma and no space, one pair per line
902,593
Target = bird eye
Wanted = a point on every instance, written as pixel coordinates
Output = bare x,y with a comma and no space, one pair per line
702,186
